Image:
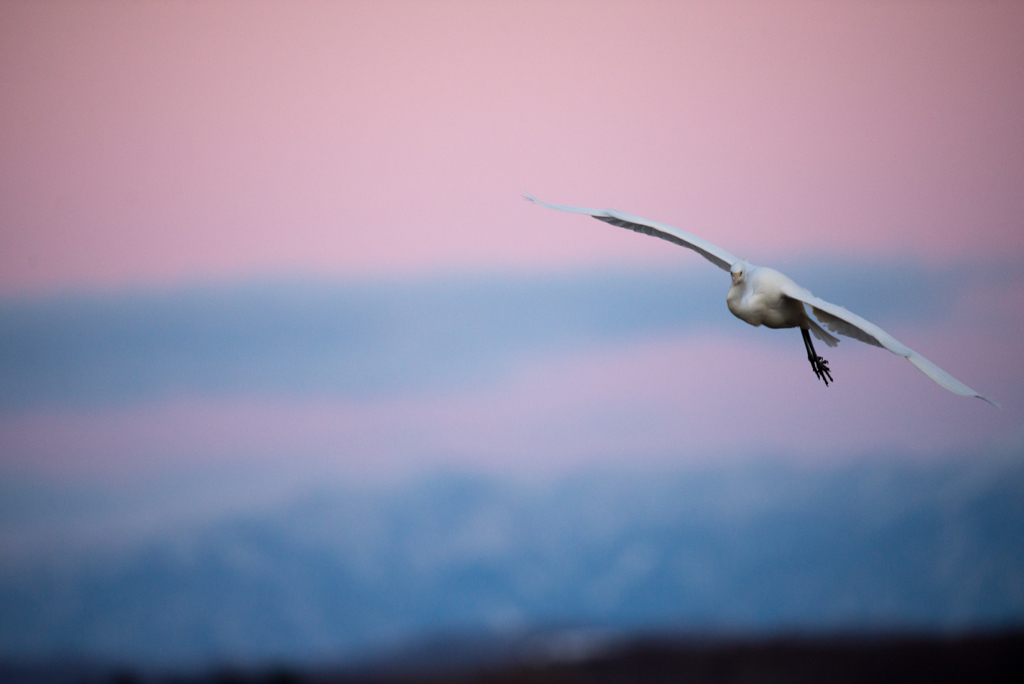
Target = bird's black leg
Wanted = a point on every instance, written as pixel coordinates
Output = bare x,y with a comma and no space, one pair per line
811,356
818,364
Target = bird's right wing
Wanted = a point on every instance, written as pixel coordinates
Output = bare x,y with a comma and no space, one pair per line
839,320
713,253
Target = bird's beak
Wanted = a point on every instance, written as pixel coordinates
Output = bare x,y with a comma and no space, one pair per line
735,278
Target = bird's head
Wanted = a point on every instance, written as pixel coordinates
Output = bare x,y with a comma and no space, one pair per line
739,272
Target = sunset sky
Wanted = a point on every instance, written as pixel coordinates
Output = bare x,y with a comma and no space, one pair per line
228,158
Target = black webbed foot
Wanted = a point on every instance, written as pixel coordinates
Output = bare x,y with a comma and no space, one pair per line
818,364
820,367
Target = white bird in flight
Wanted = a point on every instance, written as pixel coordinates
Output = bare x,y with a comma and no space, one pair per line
763,296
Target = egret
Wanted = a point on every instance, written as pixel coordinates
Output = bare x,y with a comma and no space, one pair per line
763,296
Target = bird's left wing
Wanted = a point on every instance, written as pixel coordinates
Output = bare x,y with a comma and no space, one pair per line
713,253
839,320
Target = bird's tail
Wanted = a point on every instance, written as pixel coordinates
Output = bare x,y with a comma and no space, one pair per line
820,333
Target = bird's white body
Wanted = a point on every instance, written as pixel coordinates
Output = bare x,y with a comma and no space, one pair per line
763,296
758,300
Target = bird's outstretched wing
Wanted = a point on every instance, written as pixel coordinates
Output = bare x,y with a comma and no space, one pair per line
713,253
839,320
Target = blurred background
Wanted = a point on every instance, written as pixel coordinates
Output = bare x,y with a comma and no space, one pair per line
290,372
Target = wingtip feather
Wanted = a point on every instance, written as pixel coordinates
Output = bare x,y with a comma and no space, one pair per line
946,380
991,401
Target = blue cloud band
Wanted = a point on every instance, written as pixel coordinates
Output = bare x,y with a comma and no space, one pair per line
314,338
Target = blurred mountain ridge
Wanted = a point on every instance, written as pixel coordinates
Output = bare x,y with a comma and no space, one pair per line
873,545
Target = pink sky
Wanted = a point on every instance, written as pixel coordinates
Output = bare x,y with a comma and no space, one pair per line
158,143
163,143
